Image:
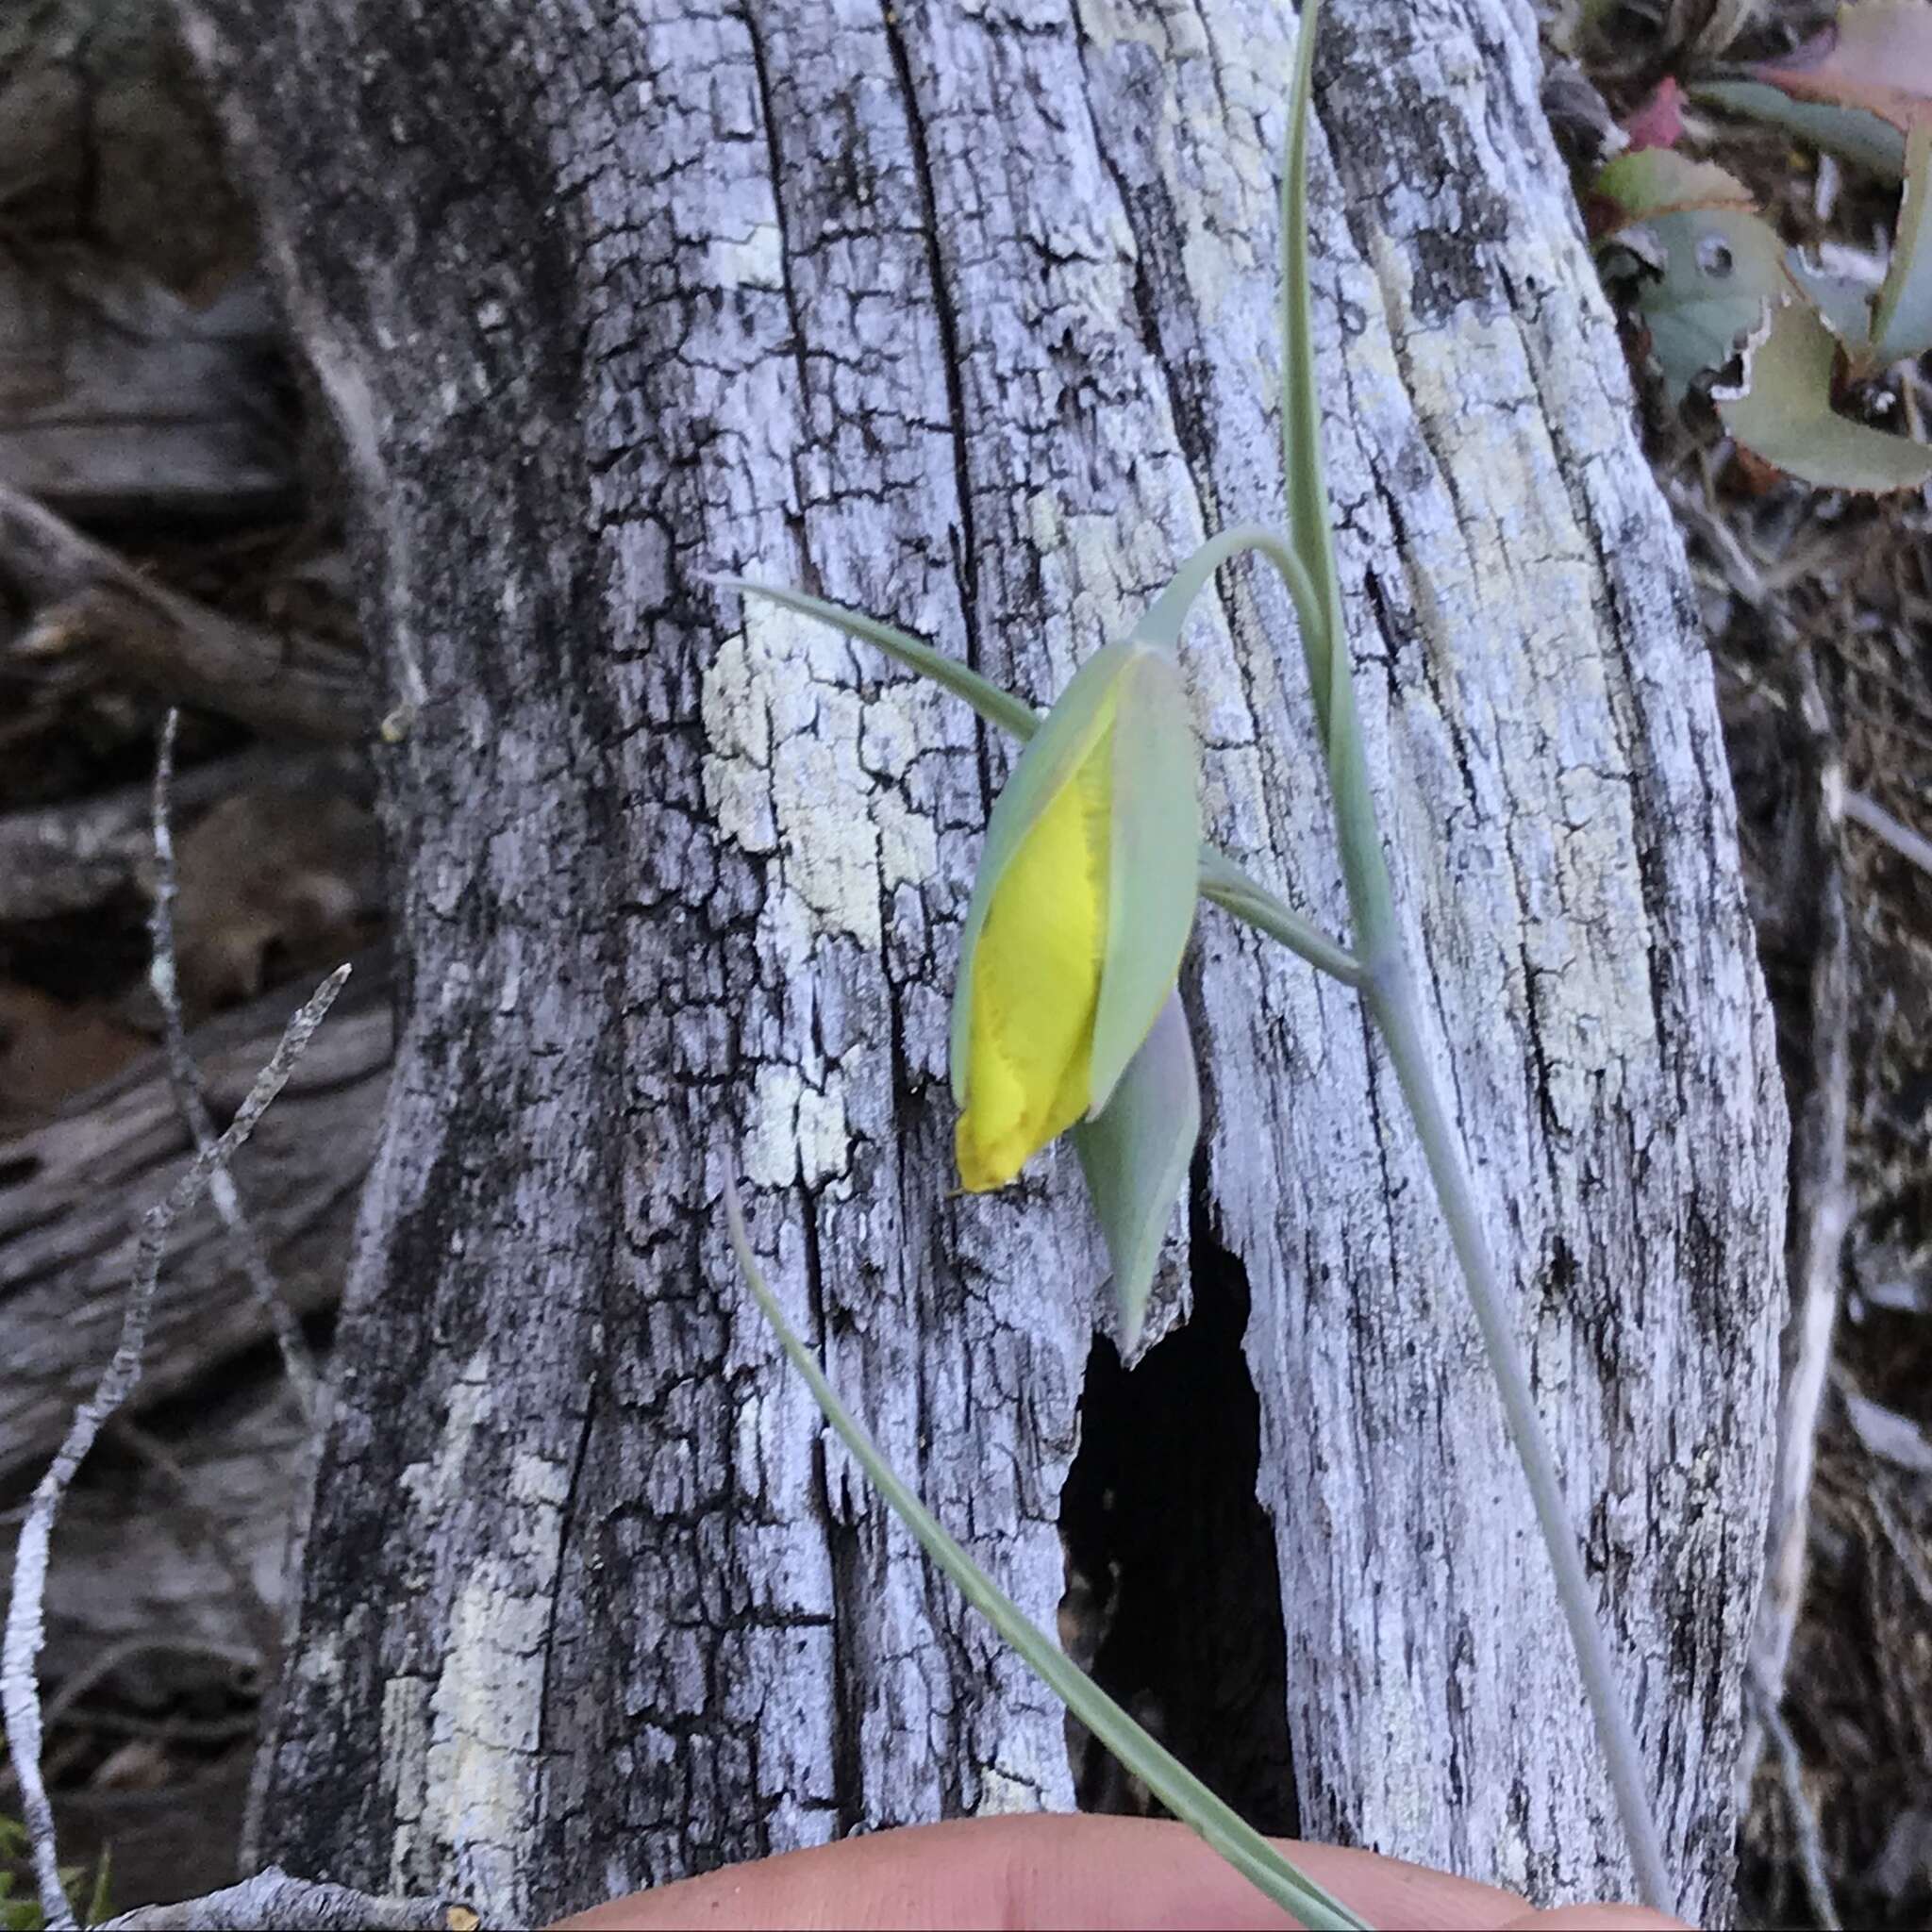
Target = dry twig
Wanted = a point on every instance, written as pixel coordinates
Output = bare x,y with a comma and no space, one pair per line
190,1096
1894,832
1820,1208
273,1899
181,648
1804,1819
25,1627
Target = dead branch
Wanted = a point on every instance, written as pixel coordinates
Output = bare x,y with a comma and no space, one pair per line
274,1902
190,1096
25,1630
296,686
125,400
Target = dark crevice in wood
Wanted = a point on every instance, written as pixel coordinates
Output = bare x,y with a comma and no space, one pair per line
1176,1557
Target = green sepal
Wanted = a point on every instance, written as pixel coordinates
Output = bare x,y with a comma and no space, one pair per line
1136,1155
1052,754
1153,862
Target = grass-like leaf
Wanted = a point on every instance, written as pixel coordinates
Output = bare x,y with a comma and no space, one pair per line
1164,1775
1903,324
997,706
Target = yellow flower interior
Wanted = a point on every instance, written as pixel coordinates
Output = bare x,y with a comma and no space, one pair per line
1035,982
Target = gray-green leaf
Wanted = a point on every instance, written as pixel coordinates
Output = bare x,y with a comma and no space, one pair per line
1785,414
1902,323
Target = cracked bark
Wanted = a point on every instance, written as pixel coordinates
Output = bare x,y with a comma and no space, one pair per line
965,315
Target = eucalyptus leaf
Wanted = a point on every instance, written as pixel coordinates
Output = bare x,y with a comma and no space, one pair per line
1164,1775
1713,273
1842,301
1656,181
1855,134
1902,323
1876,57
1784,414
1136,1154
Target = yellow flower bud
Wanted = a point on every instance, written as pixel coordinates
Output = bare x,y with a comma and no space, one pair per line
1080,911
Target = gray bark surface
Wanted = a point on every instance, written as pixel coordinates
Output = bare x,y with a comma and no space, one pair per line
964,315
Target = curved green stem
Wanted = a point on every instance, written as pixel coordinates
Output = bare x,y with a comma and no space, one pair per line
1229,887
1314,583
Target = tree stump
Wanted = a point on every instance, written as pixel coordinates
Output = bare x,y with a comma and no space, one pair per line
964,314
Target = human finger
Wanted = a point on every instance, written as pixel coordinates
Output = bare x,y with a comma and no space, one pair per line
1041,1872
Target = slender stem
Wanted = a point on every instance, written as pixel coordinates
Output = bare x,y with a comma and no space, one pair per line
1391,1000
1382,975
1233,890
1314,583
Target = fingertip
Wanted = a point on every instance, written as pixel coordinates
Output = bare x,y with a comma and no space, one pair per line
1597,1918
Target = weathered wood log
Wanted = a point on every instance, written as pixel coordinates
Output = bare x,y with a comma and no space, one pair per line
72,1194
105,136
121,401
297,684
137,355
77,856
965,315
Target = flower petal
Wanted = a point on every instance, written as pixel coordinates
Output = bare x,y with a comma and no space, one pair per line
1035,982
1063,741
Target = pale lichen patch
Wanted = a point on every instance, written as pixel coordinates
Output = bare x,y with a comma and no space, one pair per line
430,1485
796,1132
820,796
787,772
486,1714
909,846
1004,1795
757,261
738,729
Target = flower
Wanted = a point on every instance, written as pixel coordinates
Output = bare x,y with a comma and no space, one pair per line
1080,911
